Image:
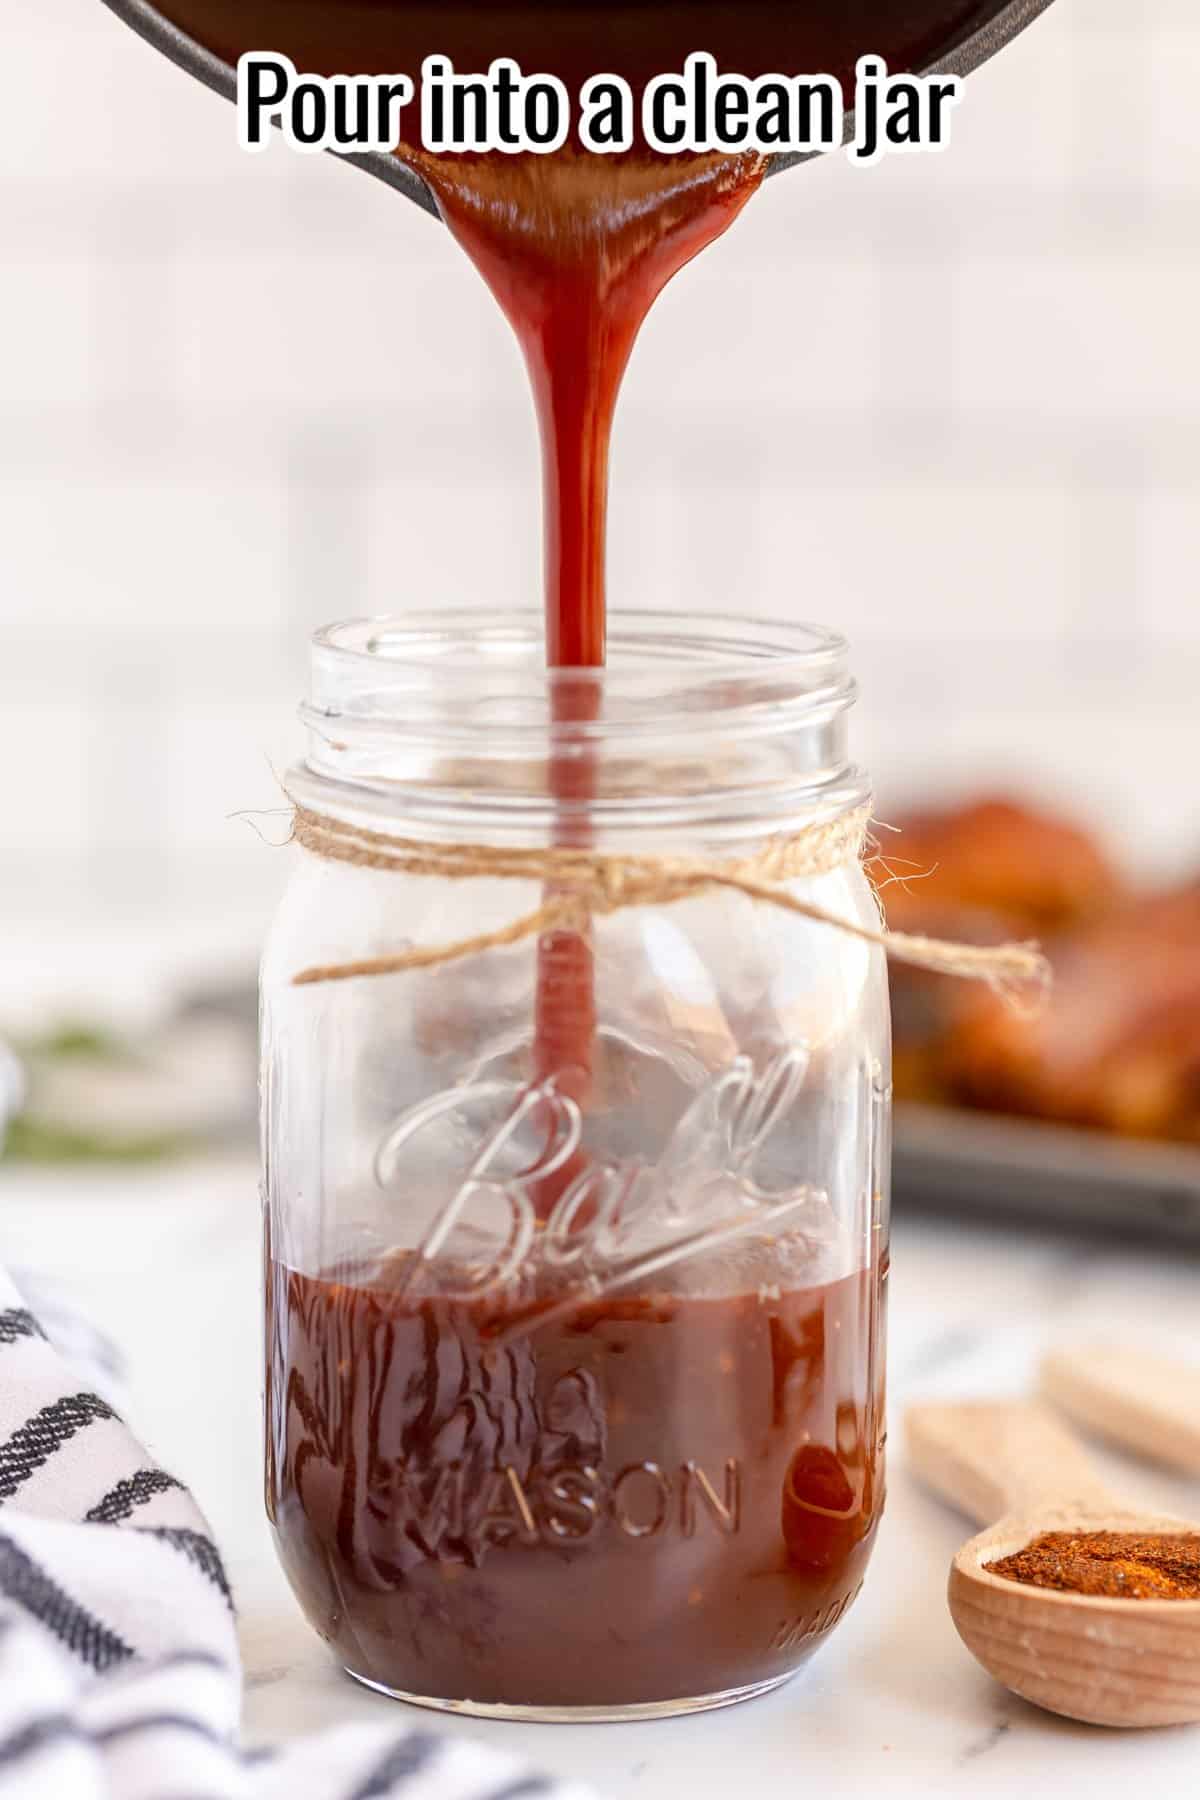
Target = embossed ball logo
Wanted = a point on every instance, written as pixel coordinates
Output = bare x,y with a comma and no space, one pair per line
614,1222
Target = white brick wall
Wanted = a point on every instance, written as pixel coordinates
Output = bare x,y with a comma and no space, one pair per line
950,405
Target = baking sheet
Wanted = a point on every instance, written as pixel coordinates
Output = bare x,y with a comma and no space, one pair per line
978,1164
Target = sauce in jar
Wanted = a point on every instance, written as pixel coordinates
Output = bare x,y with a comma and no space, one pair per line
664,1495
688,1484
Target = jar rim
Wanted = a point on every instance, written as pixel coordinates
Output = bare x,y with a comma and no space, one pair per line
456,637
707,715
461,672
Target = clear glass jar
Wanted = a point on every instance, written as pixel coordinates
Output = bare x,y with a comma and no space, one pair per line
576,1245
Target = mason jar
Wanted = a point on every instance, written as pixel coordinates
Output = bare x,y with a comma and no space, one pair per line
575,1126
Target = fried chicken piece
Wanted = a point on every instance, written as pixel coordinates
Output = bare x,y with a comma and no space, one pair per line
1118,1046
997,857
979,874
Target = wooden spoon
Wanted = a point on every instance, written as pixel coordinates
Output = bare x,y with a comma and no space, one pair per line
1146,1402
1106,1661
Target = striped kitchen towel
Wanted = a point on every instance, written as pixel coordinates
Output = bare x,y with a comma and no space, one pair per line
119,1670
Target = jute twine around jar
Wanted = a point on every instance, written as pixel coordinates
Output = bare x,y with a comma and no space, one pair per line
579,885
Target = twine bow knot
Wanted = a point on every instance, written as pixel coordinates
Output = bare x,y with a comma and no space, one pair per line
579,885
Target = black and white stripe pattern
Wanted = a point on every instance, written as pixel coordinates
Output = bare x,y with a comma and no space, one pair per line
119,1672
16,1323
130,1492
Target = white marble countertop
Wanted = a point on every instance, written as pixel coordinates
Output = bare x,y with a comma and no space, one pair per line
167,1261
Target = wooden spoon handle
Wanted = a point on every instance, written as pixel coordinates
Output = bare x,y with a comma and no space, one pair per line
1146,1402
992,1458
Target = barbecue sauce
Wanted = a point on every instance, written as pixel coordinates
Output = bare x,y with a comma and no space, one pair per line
656,1498
576,247
661,1495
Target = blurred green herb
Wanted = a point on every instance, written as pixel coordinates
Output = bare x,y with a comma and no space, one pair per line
77,1042
34,1140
